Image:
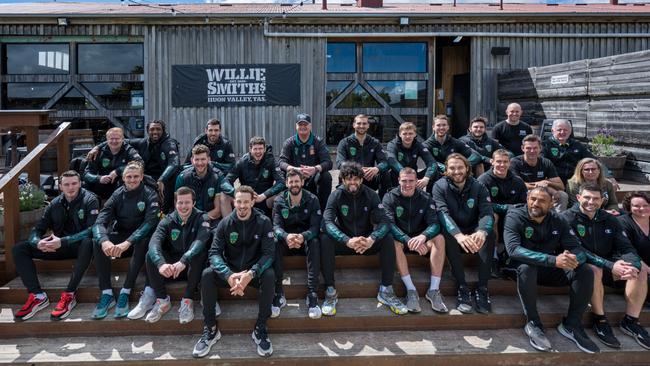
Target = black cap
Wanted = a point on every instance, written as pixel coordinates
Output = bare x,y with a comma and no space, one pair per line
303,117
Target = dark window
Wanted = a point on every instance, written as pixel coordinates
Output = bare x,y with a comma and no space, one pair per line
395,57
111,58
420,123
407,94
359,98
339,127
334,89
37,58
134,124
126,95
29,95
73,99
341,57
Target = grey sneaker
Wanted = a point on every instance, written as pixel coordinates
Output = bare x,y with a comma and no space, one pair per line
537,337
413,301
160,308
388,298
314,310
205,343
329,304
279,301
437,301
145,304
464,300
217,309
186,311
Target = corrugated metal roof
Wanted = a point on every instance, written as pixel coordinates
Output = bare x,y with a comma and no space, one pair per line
147,10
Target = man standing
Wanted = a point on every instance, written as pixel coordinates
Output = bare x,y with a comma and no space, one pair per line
465,211
69,218
355,222
414,225
102,174
179,243
296,222
615,263
442,144
404,151
221,153
537,171
544,251
367,151
257,169
511,132
308,154
241,254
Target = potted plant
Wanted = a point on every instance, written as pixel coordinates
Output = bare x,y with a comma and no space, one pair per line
602,145
32,206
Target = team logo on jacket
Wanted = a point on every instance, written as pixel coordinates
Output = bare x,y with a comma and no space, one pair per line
470,203
106,162
399,211
353,151
162,155
528,232
345,209
141,206
265,173
220,154
581,230
400,156
81,214
555,151
211,192
494,191
285,213
488,147
435,151
233,237
175,233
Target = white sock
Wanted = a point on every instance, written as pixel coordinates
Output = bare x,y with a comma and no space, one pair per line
408,283
435,283
149,291
40,296
125,291
107,292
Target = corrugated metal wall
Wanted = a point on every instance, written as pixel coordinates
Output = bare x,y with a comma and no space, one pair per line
177,45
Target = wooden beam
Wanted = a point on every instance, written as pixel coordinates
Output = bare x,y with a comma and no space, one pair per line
12,226
63,152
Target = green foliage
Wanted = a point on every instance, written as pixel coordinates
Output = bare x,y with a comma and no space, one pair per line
603,143
31,197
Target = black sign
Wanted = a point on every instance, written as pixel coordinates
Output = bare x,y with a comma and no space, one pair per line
235,85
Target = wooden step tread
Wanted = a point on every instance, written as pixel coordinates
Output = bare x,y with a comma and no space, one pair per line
487,347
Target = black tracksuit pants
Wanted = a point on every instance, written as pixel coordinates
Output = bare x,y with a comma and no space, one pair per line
312,251
211,282
192,274
580,280
137,251
24,253
455,256
385,247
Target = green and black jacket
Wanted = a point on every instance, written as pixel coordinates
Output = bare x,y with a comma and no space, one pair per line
463,211
206,188
483,145
310,153
221,153
538,244
161,160
369,154
174,238
242,245
265,177
304,219
566,156
602,237
504,192
135,212
350,215
400,156
105,162
411,216
70,221
451,145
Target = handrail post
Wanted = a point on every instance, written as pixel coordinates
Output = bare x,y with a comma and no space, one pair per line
62,152
12,225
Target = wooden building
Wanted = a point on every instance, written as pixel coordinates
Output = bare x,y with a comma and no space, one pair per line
101,64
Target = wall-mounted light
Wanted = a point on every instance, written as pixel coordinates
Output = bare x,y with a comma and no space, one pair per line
404,21
62,21
457,39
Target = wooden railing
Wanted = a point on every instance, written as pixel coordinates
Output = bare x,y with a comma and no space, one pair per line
9,186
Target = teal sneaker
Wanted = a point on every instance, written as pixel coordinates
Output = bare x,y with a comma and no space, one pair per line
122,308
106,302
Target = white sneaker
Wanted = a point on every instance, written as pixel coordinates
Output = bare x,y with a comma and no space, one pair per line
217,309
160,308
145,304
329,304
186,311
279,301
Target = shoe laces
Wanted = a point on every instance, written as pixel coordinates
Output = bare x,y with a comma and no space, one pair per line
104,300
66,298
122,300
207,332
260,331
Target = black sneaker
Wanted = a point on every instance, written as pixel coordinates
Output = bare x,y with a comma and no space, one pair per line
483,304
208,339
279,301
579,337
464,300
636,331
261,338
605,333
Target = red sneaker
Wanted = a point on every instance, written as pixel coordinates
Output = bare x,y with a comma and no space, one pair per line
31,307
64,307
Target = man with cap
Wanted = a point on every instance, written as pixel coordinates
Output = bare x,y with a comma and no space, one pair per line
308,154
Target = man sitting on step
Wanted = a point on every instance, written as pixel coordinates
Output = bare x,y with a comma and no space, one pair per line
415,228
69,218
545,251
615,263
355,222
296,222
179,243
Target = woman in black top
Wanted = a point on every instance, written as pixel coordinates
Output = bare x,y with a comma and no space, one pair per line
636,223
